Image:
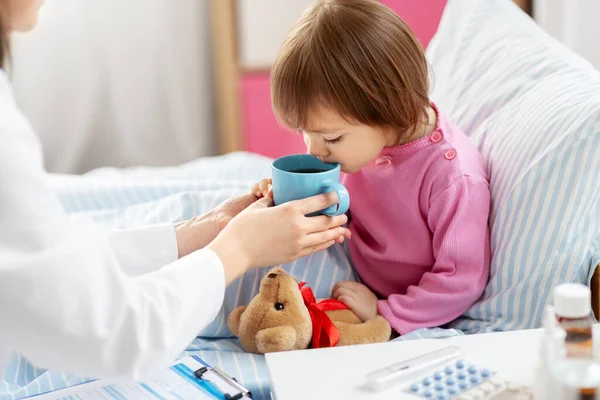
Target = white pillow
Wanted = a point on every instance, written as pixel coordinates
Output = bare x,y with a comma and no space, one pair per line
533,109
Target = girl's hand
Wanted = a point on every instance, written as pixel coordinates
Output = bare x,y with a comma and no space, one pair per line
358,298
263,188
262,235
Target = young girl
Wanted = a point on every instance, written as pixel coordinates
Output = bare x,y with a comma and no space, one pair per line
352,78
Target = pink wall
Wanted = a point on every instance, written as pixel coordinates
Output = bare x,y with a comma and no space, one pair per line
423,16
261,132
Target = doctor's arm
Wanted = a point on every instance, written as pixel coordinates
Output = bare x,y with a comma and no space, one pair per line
146,249
66,302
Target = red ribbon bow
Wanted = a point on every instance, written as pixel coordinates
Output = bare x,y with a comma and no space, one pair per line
325,333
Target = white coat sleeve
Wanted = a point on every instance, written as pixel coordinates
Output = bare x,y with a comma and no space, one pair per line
144,249
66,301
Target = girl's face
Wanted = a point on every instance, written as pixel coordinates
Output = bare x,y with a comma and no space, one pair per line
334,140
22,14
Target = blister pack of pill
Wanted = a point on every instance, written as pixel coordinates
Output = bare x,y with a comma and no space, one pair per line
463,381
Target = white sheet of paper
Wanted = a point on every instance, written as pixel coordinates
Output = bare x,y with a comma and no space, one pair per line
177,383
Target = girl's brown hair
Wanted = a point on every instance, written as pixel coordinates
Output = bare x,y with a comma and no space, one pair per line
358,58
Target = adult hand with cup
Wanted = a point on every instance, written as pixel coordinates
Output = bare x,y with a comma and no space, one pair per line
262,235
300,176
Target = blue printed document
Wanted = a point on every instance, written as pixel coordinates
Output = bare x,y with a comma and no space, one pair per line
188,378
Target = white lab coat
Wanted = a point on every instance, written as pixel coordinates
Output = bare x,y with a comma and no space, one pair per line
81,299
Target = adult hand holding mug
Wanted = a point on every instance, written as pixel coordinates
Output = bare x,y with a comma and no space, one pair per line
299,176
262,235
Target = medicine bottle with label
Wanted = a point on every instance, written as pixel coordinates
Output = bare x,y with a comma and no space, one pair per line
579,373
572,306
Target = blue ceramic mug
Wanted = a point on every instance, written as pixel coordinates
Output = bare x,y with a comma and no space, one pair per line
300,176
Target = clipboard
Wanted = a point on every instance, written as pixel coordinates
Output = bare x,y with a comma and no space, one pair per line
187,378
230,388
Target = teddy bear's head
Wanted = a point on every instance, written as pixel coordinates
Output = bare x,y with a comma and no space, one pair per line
276,319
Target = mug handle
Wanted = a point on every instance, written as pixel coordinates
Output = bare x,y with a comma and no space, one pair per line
343,197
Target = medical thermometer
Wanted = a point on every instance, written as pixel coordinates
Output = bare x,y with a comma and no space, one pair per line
390,376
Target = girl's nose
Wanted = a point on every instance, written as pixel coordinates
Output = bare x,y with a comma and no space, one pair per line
316,149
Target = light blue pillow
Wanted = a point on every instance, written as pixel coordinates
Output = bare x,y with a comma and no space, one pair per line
533,109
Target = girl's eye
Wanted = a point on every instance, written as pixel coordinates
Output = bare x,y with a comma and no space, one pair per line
332,141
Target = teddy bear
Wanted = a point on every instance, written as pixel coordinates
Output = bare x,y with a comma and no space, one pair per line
285,316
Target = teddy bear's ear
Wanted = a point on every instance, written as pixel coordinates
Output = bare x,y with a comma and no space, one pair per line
233,321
